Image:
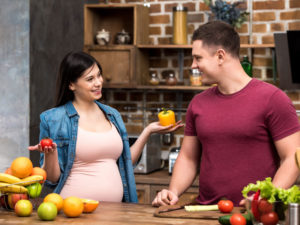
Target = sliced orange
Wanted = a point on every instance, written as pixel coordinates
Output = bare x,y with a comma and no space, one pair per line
89,205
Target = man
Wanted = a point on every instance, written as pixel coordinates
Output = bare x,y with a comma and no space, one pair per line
242,130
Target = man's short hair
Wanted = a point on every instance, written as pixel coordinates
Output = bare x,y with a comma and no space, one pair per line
219,34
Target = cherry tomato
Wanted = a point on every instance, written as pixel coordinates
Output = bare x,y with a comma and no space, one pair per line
225,206
237,219
264,206
46,142
270,218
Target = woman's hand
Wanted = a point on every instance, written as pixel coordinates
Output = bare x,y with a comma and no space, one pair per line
45,150
155,127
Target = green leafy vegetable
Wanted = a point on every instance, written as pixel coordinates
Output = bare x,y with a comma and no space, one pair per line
271,193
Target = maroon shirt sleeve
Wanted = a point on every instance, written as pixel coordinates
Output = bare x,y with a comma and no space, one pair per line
282,119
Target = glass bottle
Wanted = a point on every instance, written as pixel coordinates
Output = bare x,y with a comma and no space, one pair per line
171,80
195,77
247,66
179,25
154,79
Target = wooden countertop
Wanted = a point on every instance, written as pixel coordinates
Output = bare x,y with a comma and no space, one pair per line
160,177
108,214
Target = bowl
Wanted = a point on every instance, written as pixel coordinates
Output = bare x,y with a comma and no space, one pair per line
263,212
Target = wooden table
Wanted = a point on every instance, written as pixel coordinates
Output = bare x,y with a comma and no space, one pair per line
106,213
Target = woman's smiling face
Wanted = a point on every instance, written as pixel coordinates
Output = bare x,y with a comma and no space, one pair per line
88,87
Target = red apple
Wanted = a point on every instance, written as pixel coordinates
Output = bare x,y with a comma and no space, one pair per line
14,198
23,208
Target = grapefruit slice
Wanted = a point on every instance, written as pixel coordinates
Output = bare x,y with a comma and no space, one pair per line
89,205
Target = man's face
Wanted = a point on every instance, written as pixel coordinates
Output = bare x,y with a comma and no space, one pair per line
206,61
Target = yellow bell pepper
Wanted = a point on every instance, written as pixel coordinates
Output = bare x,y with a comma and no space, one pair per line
166,117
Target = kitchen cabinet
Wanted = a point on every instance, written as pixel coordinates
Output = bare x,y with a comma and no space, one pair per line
127,66
148,185
143,83
122,64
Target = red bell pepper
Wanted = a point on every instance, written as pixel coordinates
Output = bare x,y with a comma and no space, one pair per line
254,206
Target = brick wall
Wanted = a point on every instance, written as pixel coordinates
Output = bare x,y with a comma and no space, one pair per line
267,17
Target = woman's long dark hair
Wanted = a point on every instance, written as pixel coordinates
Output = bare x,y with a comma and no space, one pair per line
71,68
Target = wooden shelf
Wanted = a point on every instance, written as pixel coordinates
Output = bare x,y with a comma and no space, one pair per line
108,47
158,87
190,46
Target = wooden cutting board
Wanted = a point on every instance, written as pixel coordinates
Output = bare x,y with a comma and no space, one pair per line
176,211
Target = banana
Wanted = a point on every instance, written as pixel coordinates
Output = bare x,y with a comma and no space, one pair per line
31,180
7,178
13,188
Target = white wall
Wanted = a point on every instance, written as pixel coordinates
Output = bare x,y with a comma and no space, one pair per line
14,80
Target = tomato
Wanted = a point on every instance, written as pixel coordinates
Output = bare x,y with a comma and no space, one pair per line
166,117
264,206
270,218
225,206
237,219
46,142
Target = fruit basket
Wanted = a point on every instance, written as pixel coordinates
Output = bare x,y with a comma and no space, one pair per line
11,193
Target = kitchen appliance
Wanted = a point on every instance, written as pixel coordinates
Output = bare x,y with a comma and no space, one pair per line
150,158
172,158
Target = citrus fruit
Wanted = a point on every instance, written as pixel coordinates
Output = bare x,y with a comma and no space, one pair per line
8,171
21,167
39,171
34,190
89,205
56,199
72,206
23,208
47,211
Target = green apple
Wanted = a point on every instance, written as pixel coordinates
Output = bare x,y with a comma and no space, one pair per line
47,211
23,207
34,190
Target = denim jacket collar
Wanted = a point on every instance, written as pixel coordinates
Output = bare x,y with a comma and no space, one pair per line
71,111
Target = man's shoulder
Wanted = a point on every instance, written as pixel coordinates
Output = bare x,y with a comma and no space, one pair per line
264,86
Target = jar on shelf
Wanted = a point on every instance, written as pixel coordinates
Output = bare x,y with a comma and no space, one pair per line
195,77
154,79
171,79
179,25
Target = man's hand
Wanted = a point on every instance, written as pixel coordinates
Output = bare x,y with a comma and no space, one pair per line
165,197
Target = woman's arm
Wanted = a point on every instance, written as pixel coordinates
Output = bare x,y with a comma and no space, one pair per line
51,164
155,127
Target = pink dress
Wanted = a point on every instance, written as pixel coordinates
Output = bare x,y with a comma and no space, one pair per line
95,174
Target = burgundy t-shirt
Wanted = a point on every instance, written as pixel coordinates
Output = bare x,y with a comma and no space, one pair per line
237,133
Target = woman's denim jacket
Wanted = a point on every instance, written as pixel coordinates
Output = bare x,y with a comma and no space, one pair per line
61,124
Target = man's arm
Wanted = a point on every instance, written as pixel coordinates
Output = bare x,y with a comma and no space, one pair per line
288,171
184,172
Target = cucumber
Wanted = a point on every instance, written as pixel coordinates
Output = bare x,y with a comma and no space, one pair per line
225,220
195,208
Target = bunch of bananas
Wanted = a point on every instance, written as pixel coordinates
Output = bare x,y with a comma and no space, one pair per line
13,184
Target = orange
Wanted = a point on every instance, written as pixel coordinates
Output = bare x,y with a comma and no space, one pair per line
72,206
89,205
56,199
8,171
21,167
39,171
